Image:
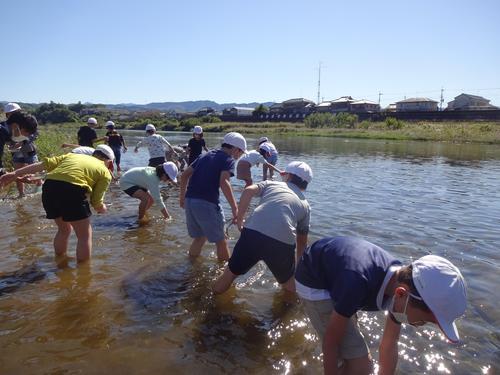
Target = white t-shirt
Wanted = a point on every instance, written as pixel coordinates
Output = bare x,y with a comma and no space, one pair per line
156,144
253,157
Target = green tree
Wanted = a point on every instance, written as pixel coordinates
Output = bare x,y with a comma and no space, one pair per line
260,110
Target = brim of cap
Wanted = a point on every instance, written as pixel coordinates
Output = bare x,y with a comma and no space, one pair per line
449,329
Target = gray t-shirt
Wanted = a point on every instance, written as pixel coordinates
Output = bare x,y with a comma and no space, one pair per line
282,211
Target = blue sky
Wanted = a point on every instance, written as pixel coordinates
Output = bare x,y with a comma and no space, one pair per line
112,51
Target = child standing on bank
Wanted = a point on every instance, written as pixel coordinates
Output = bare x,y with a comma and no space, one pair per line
202,179
143,183
69,179
157,145
116,142
278,225
196,144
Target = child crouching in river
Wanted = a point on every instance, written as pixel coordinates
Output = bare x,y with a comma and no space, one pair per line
143,183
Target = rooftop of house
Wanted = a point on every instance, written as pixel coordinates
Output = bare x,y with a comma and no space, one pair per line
417,100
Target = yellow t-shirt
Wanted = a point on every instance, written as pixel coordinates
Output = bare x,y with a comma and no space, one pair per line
82,170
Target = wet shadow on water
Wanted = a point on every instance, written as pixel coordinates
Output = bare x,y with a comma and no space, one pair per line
228,332
12,281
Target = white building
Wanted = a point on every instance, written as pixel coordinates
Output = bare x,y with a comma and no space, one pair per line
467,102
416,105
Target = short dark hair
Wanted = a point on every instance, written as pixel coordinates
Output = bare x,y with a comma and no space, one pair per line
225,145
160,172
405,275
296,180
262,152
24,120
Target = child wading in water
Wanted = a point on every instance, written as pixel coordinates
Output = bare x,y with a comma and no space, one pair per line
204,215
246,162
69,179
116,142
196,144
278,225
143,183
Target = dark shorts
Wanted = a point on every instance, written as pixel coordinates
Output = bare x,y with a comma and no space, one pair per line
154,162
254,246
65,200
131,190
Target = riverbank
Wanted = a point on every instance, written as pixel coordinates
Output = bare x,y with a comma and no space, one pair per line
456,132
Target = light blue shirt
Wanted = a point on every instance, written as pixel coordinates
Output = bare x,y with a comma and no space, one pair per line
144,177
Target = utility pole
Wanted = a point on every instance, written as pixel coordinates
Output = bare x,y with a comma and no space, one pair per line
379,95
442,99
319,81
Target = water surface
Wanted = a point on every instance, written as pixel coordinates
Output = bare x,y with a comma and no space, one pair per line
140,305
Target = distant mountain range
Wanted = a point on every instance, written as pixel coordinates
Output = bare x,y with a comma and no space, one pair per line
190,106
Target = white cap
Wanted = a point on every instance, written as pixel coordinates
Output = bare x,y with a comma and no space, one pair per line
442,287
110,124
11,107
150,127
236,140
198,129
106,150
266,148
263,139
171,170
300,169
83,150
92,121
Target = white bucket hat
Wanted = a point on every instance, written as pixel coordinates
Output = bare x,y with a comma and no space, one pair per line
106,150
92,121
11,107
150,127
171,170
236,140
110,124
198,129
442,287
300,169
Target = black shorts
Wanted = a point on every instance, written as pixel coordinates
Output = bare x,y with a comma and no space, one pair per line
253,246
131,190
154,162
65,200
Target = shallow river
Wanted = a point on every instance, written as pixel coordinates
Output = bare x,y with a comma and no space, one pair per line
141,307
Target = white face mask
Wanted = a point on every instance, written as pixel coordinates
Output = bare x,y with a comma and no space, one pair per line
19,138
401,317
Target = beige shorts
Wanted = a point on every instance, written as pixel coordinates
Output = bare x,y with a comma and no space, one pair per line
243,171
353,345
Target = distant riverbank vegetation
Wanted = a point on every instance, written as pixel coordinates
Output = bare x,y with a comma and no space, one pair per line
317,124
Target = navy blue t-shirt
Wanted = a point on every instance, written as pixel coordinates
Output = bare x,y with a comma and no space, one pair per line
205,180
351,269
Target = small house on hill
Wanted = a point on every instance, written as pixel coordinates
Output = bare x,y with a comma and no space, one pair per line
468,102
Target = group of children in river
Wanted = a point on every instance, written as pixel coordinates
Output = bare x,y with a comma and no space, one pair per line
335,277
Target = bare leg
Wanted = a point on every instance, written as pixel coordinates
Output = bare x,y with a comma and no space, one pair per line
19,184
264,172
289,285
146,202
83,231
222,250
223,283
61,238
196,245
357,366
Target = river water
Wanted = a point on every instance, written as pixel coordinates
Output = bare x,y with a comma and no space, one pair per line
141,307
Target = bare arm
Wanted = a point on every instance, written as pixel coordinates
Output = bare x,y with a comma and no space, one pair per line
301,244
247,195
388,350
274,168
186,175
334,334
29,169
227,190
